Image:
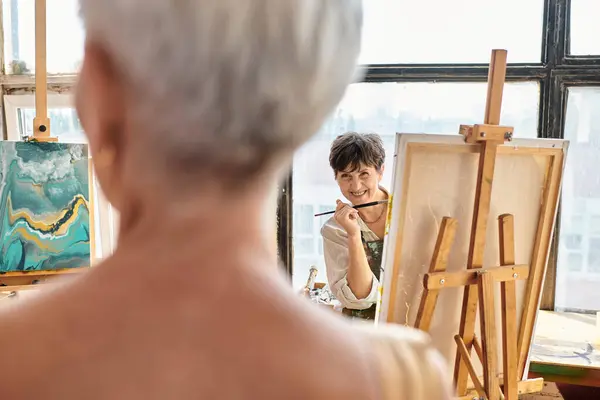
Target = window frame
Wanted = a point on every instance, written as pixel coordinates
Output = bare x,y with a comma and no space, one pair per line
563,13
555,73
12,103
11,43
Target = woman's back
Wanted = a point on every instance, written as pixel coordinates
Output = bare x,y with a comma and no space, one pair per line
201,335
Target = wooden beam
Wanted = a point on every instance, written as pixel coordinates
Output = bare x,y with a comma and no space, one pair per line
495,89
64,271
463,350
92,211
479,352
487,317
539,260
483,132
481,210
524,387
509,308
41,123
439,280
439,261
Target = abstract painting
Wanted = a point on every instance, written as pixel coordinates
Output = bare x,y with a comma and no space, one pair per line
44,206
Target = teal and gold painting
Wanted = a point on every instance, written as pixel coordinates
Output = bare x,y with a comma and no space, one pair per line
44,206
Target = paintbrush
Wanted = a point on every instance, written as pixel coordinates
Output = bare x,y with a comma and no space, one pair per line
371,204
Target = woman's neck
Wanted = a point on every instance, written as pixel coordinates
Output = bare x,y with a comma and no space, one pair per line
240,221
373,213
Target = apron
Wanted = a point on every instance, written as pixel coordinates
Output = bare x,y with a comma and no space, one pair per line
374,252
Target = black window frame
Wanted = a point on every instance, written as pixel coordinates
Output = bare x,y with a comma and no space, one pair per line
556,73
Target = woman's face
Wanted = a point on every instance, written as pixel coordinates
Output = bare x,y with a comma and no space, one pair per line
360,186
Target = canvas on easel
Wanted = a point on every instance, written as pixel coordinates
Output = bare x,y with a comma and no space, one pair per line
449,260
44,207
47,208
437,178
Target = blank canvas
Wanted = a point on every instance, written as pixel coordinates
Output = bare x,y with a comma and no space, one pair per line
435,176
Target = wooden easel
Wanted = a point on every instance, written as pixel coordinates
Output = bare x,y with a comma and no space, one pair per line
17,281
479,282
41,122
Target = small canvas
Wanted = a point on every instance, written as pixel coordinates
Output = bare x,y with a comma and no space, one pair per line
435,176
44,206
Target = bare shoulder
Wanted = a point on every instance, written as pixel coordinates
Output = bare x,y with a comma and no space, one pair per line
248,336
307,352
408,364
241,334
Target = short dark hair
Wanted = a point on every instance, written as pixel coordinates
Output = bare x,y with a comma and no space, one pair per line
351,150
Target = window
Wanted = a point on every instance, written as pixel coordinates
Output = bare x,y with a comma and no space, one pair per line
580,209
64,124
434,31
595,225
387,108
64,36
584,27
575,262
305,224
573,242
428,84
594,256
577,222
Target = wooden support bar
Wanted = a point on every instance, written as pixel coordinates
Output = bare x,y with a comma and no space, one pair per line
439,261
492,133
506,225
483,132
495,89
41,122
40,139
466,131
478,348
539,261
12,282
483,194
487,318
91,207
479,352
439,280
41,273
524,387
509,308
530,386
481,210
463,350
29,286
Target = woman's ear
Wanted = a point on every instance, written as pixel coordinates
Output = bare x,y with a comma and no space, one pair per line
380,172
101,110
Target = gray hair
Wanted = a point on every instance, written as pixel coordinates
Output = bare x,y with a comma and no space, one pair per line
229,83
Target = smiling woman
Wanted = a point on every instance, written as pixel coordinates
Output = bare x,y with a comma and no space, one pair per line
353,238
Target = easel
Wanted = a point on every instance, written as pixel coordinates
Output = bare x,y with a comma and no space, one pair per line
479,282
16,281
41,122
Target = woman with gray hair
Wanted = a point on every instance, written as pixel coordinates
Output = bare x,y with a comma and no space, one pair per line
192,109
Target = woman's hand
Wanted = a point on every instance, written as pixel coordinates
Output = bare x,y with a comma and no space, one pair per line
347,217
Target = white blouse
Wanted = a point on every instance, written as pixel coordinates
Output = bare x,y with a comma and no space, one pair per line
335,250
